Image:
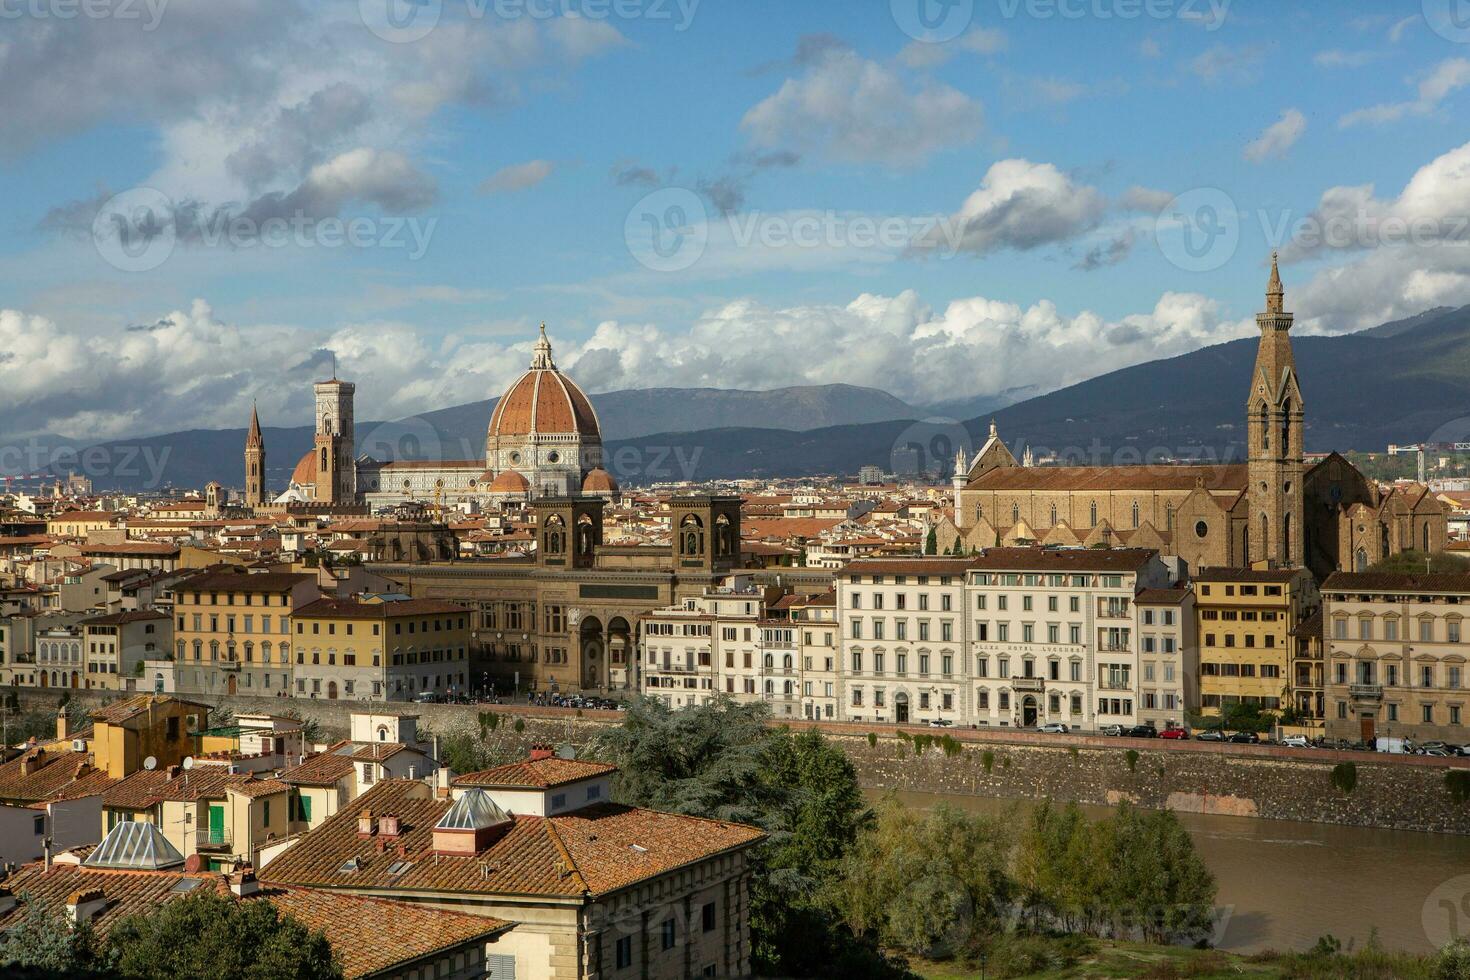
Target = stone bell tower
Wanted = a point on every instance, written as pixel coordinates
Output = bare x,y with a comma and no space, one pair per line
1274,438
254,463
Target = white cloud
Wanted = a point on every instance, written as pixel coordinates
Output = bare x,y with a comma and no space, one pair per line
1278,137
516,177
1023,205
978,40
1223,63
1148,200
852,110
1337,58
191,369
1442,80
1400,27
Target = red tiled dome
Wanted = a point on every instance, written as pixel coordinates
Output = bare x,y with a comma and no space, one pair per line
510,482
599,481
305,472
543,400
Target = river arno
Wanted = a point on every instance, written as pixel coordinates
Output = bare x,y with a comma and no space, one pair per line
1283,884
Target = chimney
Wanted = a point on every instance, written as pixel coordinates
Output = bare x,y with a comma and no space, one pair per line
63,727
243,883
83,906
388,825
540,751
365,823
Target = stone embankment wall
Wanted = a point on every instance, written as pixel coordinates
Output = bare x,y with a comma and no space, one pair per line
1402,792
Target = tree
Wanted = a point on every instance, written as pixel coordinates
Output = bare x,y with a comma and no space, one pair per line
43,943
723,760
931,543
206,934
1419,563
930,882
1157,884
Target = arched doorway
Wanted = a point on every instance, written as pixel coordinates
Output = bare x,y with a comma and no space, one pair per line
590,633
901,708
75,680
44,682
619,649
331,690
1028,712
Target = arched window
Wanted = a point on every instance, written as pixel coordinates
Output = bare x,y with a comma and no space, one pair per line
1015,513
1265,546
1135,513
1286,428
979,512
1285,536
1265,428
1169,518
1092,513
1053,515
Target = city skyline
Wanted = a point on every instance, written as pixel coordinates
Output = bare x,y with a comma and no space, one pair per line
967,210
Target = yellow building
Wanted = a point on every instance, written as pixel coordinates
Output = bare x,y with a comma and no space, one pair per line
232,631
129,732
80,523
1247,618
380,649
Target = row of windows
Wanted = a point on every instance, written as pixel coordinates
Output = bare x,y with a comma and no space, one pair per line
246,599
1390,629
1366,672
1210,669
878,630
1427,713
900,601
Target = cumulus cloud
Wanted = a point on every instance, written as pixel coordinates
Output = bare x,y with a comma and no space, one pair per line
1410,248
191,368
1338,58
516,177
848,109
260,107
1023,205
1438,84
1278,137
977,40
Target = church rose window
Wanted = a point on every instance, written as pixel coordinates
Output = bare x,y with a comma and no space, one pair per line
1201,529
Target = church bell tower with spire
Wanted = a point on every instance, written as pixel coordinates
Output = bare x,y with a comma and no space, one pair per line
254,463
1274,439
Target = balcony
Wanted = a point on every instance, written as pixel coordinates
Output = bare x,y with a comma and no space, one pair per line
1028,683
1365,692
213,839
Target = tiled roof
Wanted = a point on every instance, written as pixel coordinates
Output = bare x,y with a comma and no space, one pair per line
1159,597
212,782
1231,476
327,608
325,768
137,791
121,711
55,773
244,582
1397,582
537,774
1063,559
593,850
1311,627
909,566
373,934
370,935
1269,575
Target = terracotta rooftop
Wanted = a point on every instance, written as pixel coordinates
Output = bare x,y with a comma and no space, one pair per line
1231,477
1268,575
50,772
370,935
592,851
1397,582
1063,559
535,774
328,608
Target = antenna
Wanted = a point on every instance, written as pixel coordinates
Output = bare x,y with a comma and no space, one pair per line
188,763
150,763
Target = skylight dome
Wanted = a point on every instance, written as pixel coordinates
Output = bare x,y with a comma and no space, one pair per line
134,845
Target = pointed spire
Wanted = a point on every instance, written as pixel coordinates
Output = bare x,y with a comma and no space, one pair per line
254,437
1275,295
542,361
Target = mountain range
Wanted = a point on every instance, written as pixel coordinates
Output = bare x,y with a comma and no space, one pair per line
1406,381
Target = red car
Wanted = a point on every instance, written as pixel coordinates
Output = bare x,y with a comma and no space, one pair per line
1174,733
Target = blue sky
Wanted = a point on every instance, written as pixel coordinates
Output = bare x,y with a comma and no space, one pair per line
1002,205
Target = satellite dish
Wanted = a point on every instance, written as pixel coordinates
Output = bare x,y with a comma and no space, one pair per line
566,751
188,762
150,763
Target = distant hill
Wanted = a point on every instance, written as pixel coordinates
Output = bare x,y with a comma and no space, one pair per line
1404,382
194,457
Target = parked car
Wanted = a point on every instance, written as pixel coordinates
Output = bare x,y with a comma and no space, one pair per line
1435,744
1210,735
426,697
1395,745
1142,731
1054,728
1296,742
1438,753
1111,730
1175,732
1244,738
941,723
